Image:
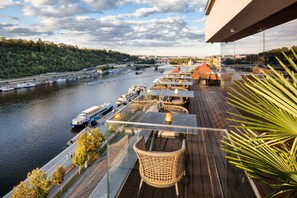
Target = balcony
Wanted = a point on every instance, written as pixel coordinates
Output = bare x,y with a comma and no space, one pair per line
208,174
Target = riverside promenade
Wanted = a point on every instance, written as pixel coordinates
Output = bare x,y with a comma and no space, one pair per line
64,159
44,77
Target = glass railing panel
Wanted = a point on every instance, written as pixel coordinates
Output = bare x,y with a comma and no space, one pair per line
122,157
205,162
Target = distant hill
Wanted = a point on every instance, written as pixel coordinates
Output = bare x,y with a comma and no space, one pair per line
270,57
20,58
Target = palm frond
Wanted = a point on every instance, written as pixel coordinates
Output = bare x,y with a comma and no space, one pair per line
271,106
252,154
271,100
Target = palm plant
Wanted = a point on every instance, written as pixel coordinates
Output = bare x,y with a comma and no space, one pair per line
264,144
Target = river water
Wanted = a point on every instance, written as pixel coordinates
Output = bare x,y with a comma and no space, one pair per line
35,123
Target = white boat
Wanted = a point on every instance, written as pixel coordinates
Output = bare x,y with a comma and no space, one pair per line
25,85
91,114
6,88
101,72
61,80
114,71
137,89
133,92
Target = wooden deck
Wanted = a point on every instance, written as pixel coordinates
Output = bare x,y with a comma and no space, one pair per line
210,174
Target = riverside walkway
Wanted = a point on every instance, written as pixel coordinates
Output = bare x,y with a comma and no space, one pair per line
64,158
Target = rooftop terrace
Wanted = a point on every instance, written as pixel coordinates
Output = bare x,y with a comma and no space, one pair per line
208,172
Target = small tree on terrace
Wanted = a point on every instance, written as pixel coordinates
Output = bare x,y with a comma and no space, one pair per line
79,158
39,183
95,139
58,176
21,191
82,141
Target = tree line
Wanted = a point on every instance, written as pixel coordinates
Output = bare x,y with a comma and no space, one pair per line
269,57
179,61
20,58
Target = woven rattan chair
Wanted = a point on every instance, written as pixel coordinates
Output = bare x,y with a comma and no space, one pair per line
158,87
160,169
179,88
176,103
173,109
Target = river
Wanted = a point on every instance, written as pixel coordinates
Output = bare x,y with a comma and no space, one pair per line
35,123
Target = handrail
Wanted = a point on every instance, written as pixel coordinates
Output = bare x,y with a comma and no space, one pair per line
165,125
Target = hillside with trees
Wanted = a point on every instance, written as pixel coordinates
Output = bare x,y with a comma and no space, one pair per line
185,60
20,58
269,57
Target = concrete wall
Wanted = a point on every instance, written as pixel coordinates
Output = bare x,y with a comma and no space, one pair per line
247,17
221,13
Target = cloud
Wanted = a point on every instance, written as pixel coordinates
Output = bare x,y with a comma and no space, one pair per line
6,25
14,30
101,4
11,18
27,32
113,32
165,6
66,8
8,3
83,23
201,20
44,8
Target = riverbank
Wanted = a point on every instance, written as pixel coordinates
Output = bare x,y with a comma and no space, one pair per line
56,77
36,122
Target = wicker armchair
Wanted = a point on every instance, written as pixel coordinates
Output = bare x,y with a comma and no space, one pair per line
160,169
158,87
179,88
175,102
173,109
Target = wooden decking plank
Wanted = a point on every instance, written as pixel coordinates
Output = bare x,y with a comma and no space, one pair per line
188,191
197,168
205,117
210,147
205,177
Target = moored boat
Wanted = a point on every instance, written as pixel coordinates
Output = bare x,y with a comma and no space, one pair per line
133,92
61,80
126,98
6,88
91,114
25,85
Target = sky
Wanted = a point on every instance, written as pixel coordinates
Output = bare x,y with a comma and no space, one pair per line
138,27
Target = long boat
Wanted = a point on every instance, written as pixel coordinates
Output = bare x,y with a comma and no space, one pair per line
25,85
91,114
6,88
